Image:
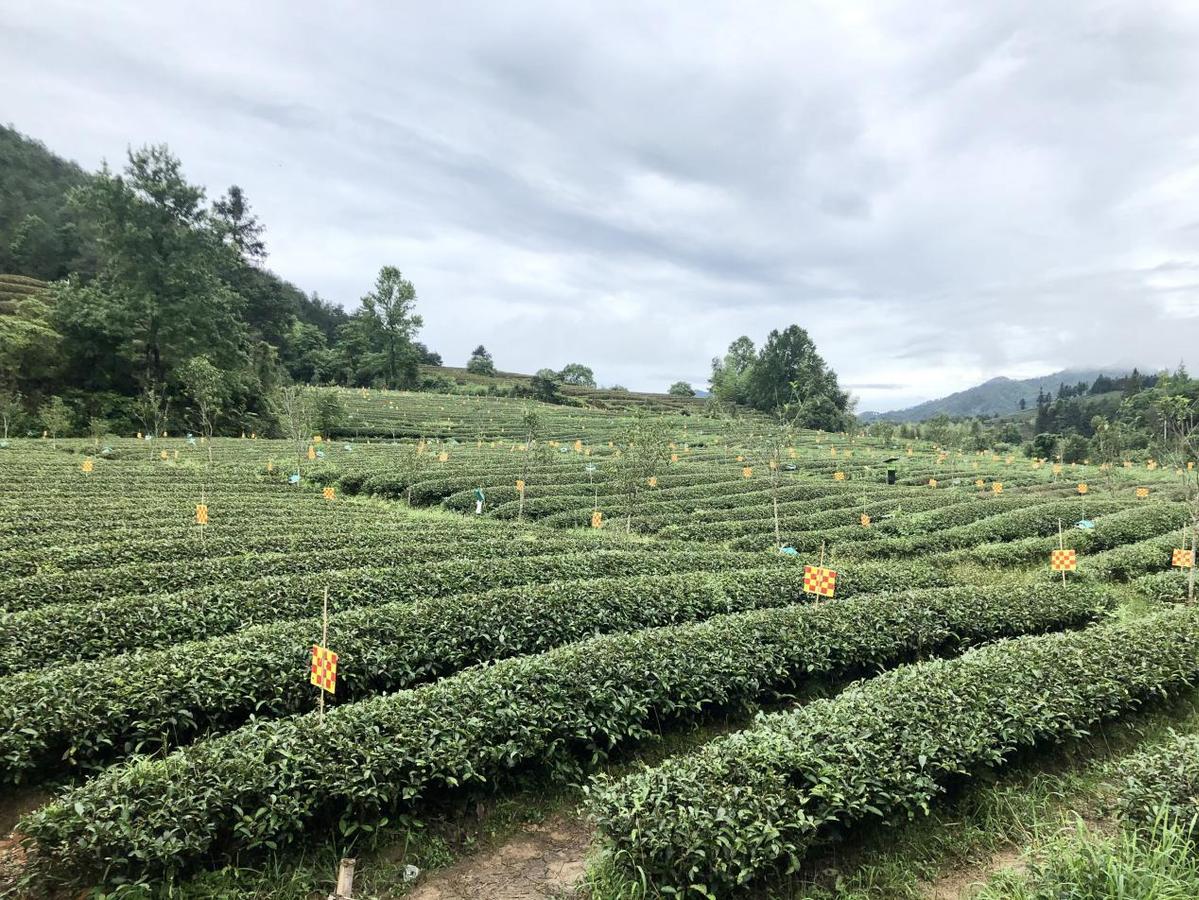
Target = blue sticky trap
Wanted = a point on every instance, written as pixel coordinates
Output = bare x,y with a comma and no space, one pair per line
347,448
790,551
1085,524
320,454
191,441
293,479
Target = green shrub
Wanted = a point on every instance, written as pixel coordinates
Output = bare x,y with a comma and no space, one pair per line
265,785
743,805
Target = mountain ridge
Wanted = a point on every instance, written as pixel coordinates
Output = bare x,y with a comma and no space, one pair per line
995,396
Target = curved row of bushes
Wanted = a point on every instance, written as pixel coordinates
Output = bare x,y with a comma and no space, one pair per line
745,805
265,785
54,635
81,715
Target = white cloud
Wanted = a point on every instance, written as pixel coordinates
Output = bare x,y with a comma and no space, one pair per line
940,192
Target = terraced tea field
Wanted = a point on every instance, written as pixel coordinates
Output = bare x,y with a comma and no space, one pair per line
499,644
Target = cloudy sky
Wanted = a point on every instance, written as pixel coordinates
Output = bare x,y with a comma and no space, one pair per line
938,191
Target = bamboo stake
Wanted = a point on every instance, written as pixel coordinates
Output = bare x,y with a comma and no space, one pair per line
1061,545
324,644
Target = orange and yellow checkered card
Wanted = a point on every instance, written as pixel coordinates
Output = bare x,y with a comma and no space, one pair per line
597,519
324,668
1184,559
747,472
1063,560
201,513
329,493
819,580
1142,492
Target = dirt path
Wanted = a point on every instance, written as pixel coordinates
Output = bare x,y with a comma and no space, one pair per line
540,862
964,883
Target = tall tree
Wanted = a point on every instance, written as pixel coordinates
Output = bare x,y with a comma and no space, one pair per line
237,227
791,378
577,374
386,325
730,373
158,297
480,362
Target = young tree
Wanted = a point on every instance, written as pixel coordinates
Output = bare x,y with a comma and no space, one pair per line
292,407
97,427
152,408
480,362
577,374
10,410
771,452
644,452
681,389
530,427
56,417
1180,446
205,384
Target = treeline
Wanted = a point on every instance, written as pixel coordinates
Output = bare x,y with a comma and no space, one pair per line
1102,421
150,283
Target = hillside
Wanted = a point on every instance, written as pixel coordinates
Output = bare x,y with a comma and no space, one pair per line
999,396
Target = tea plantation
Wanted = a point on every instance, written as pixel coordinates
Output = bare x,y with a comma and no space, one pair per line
519,602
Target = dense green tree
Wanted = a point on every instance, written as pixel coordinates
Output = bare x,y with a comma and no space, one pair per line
545,386
480,362
790,377
383,330
578,375
730,374
158,298
681,389
237,227
56,417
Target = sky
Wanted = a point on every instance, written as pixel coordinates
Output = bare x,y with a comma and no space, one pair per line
938,191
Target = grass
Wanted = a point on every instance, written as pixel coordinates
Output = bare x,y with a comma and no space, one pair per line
1084,864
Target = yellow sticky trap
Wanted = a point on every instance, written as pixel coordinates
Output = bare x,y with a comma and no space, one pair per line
443,456
328,493
162,454
597,519
979,483
1082,487
311,453
652,481
1142,492
838,476
87,466
747,472
520,485
865,520
932,482
324,669
674,457
201,513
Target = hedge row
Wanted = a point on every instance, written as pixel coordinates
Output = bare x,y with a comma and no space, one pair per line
1041,519
1162,779
82,715
1115,530
399,549
265,785
747,804
54,635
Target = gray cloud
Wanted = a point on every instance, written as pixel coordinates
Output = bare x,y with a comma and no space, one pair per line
939,192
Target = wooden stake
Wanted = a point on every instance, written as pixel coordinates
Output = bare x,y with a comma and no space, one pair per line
320,690
345,881
822,554
1061,545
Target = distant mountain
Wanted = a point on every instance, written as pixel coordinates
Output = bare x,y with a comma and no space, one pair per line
999,396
